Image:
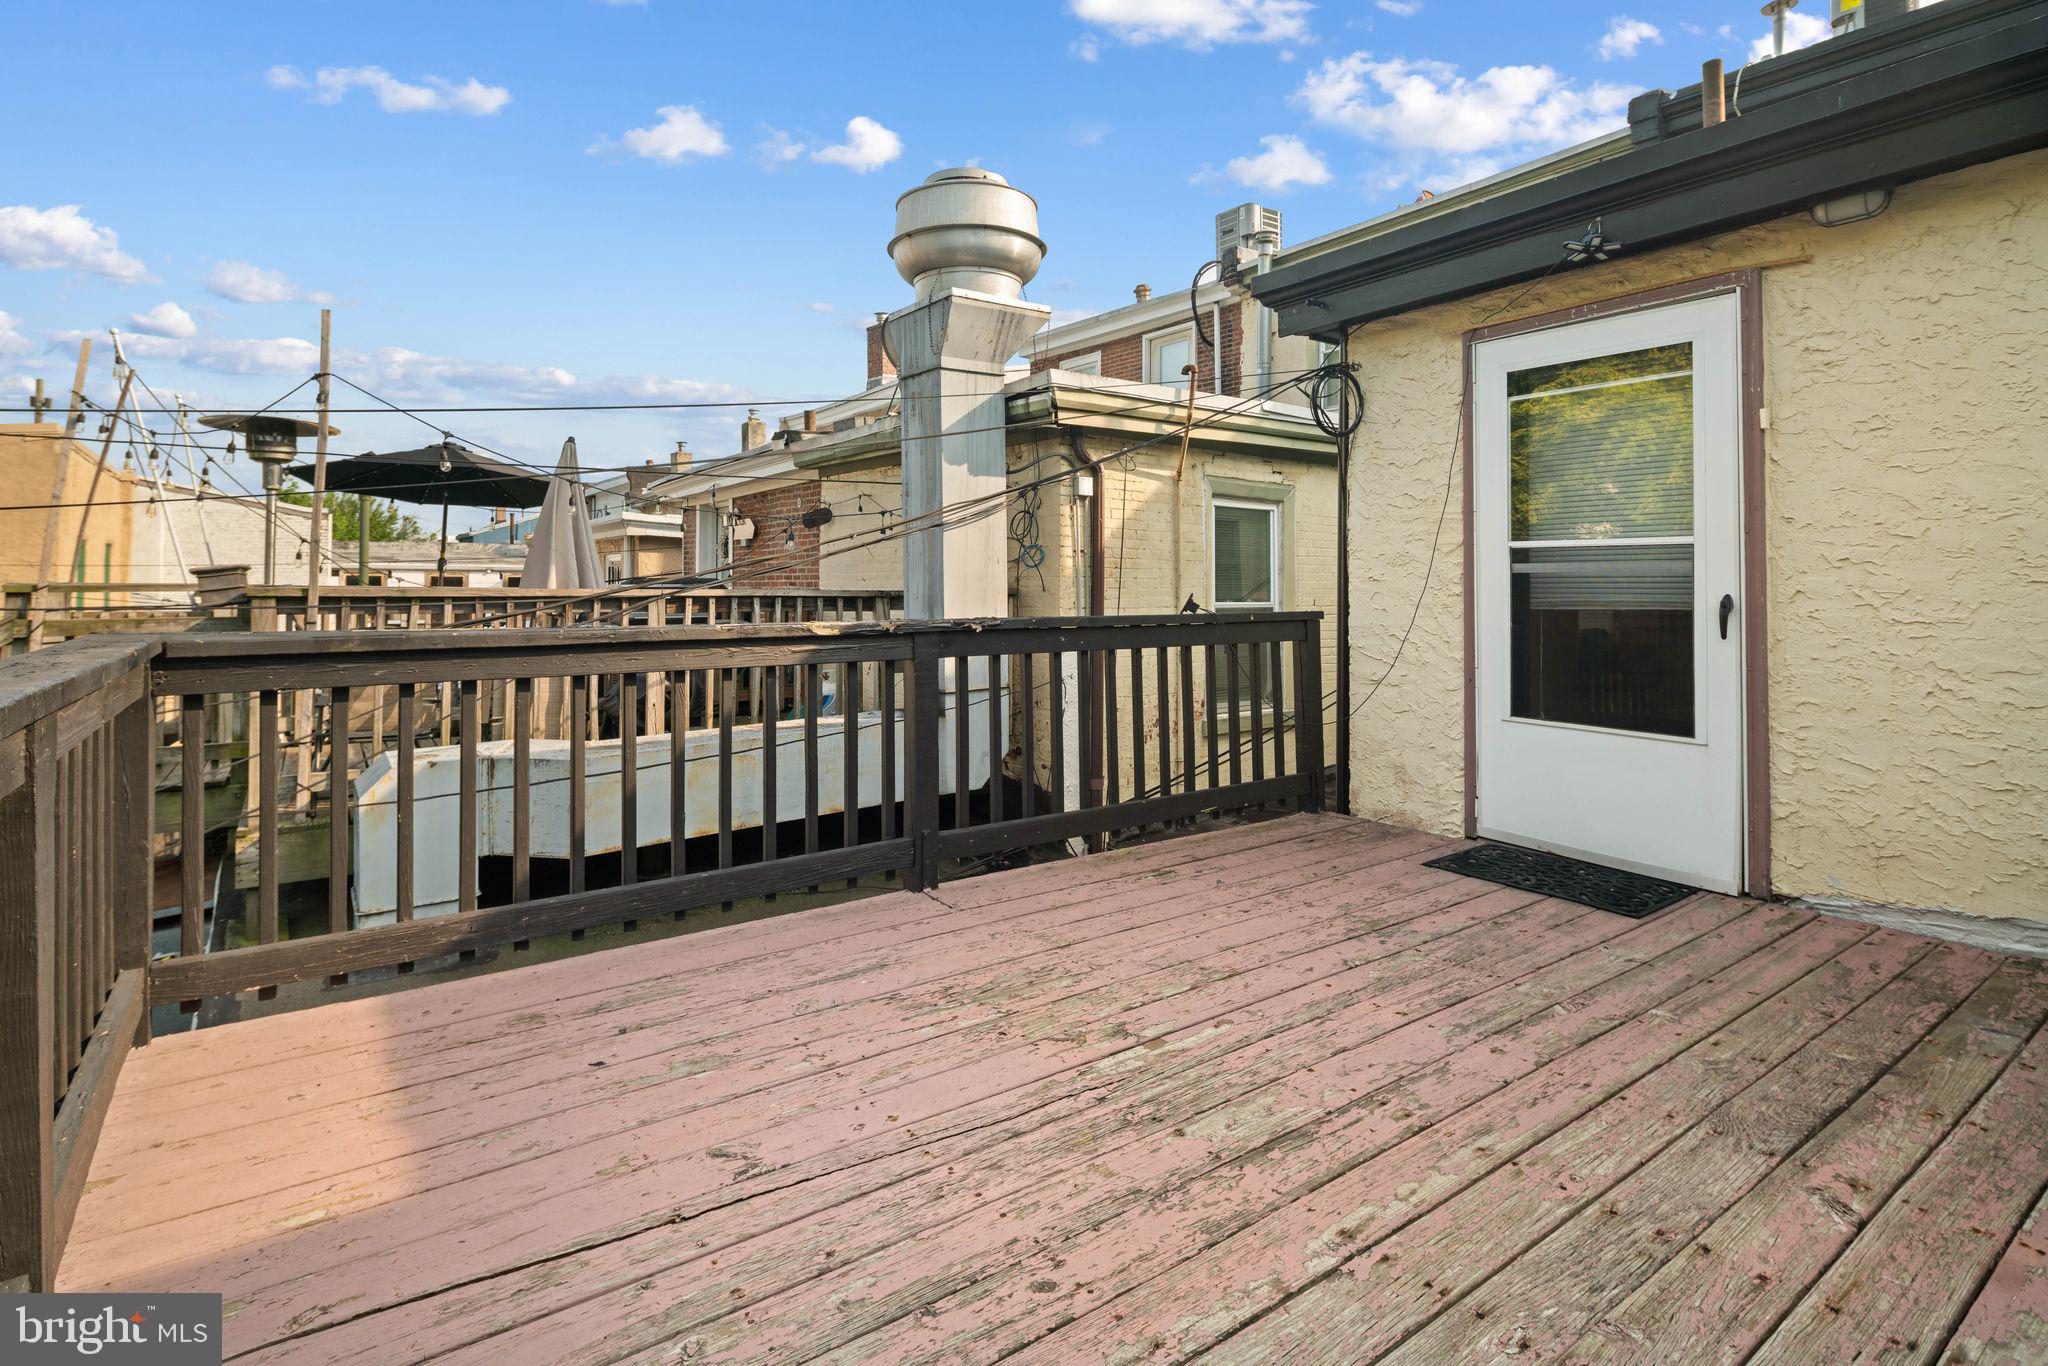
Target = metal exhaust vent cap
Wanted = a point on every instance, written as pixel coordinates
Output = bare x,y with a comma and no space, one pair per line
967,228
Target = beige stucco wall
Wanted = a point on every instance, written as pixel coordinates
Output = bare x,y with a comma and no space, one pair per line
1907,535
29,458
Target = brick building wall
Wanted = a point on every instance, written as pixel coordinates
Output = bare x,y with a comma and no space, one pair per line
1123,358
770,560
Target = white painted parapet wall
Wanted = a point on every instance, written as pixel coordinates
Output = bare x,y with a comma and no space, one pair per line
438,775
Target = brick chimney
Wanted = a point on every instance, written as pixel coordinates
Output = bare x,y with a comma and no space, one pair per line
880,367
680,458
753,432
1143,293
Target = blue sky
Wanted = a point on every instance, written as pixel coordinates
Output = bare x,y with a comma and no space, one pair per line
576,201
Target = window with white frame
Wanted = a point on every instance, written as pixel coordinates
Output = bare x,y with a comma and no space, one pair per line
1166,355
710,530
1244,555
1090,364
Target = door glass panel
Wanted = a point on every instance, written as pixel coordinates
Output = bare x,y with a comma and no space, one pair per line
1601,450
1603,447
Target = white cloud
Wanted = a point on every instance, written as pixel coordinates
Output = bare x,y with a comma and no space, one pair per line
1407,9
12,343
1625,37
63,238
1198,23
1287,161
407,376
680,134
165,320
820,307
248,283
1428,107
1801,30
868,146
436,95
777,148
1087,47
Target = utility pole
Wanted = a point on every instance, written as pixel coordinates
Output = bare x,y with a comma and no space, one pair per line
320,469
71,421
92,492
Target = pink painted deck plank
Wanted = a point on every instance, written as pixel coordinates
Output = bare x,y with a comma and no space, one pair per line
1174,1099
523,1106
590,995
1722,1293
1913,1270
2008,1325
568,1200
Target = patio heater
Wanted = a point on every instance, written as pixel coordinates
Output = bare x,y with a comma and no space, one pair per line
272,441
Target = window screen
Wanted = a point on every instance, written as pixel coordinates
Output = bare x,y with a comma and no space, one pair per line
1242,542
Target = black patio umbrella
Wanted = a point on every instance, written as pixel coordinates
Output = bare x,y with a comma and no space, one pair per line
443,473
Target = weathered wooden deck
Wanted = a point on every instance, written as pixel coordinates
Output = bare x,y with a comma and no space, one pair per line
1278,1093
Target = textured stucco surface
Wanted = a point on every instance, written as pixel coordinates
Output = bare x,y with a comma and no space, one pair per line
1906,531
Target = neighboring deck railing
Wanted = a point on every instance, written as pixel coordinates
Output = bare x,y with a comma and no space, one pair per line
931,742
32,618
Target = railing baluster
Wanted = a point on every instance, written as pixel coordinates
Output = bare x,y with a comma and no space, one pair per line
1236,735
995,738
1258,650
66,1015
1215,752
810,705
1279,731
921,704
678,766
1165,707
522,789
466,836
849,730
191,829
408,725
1026,691
1091,757
1187,719
266,817
725,703
629,778
771,764
1112,759
1138,787
579,727
337,825
886,683
1056,731
962,760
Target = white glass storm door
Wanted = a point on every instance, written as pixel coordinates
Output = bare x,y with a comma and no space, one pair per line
1607,558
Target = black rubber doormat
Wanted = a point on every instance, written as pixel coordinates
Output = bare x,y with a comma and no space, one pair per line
1588,884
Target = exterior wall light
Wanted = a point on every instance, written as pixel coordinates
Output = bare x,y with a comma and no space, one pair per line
1852,208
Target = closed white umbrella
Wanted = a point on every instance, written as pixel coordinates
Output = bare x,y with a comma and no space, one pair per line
562,553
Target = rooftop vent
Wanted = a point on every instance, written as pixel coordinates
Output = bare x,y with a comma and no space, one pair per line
1240,231
967,228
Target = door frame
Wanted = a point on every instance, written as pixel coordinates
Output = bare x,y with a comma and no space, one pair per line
1747,286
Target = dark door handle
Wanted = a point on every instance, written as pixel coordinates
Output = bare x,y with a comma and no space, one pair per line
1727,607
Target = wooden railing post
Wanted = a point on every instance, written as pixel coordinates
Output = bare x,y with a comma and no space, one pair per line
921,704
29,1239
1308,711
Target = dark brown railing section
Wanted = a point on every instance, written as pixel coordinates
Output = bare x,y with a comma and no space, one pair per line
75,790
452,791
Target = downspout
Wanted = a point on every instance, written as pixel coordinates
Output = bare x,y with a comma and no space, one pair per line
1097,606
1343,736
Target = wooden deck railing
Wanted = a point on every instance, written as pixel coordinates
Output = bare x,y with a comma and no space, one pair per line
31,618
75,786
883,750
